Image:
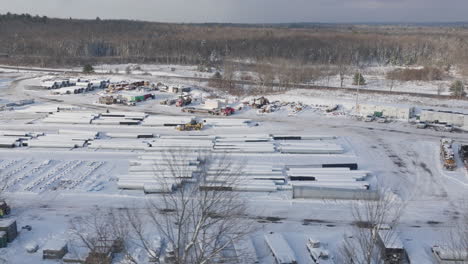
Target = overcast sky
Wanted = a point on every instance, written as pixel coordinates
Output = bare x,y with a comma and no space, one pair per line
248,11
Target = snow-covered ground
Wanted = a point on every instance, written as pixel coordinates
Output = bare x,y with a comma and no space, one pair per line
151,69
375,76
52,186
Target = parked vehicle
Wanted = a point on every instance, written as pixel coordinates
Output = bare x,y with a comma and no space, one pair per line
183,101
226,111
381,120
448,128
193,125
421,125
369,118
447,154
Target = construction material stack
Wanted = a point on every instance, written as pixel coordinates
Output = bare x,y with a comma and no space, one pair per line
64,139
447,154
245,144
70,118
155,173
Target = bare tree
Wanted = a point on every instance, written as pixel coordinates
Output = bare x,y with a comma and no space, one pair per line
199,220
5,179
128,70
102,233
440,89
266,77
361,245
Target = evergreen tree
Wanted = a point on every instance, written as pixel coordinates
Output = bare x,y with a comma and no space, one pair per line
88,68
458,89
359,79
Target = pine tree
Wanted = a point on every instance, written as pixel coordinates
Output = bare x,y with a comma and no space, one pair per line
458,89
359,79
88,68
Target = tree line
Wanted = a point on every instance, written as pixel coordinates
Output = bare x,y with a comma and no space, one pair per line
49,42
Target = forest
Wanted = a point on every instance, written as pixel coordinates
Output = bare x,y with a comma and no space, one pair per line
43,41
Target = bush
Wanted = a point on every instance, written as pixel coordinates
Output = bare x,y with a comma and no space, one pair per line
88,68
424,74
128,70
458,89
359,79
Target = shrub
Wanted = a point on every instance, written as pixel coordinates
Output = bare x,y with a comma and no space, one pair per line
128,70
88,68
458,89
424,74
359,79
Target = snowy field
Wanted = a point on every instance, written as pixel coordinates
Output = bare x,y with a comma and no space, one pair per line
51,186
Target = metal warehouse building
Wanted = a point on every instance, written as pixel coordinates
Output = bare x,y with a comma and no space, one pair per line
449,117
392,111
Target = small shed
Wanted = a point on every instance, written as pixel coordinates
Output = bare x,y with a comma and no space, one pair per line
448,255
55,249
391,247
10,228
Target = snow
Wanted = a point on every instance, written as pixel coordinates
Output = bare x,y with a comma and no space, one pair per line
51,186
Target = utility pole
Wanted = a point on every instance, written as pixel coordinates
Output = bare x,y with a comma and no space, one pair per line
357,89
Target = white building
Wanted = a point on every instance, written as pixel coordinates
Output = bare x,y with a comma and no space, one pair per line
392,111
449,117
213,104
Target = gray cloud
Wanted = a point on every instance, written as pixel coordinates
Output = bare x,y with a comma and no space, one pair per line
247,11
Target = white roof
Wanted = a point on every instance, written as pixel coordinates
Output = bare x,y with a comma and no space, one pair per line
390,239
280,248
55,244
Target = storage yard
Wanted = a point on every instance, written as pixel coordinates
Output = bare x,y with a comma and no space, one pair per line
302,166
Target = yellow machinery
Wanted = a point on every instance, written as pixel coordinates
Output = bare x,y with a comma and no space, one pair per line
190,126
